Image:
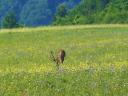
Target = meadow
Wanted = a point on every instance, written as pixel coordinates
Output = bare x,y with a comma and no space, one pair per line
96,62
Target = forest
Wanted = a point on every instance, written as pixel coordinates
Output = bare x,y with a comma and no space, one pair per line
14,13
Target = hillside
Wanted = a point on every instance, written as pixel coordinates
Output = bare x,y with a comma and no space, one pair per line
63,12
96,11
33,12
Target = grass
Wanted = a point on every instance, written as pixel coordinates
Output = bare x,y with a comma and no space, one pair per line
96,62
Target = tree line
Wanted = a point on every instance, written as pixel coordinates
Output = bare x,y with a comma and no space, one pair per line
62,12
31,12
93,12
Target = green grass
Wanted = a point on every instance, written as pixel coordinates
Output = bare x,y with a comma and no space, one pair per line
96,62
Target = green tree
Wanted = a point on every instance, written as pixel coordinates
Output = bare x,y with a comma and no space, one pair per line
9,21
35,12
61,10
60,16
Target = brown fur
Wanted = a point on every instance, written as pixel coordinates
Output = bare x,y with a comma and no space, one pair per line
59,56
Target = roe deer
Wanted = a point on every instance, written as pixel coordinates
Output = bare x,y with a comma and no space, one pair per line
59,57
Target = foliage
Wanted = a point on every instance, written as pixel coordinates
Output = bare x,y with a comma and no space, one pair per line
11,5
33,12
61,10
36,14
97,11
65,12
9,21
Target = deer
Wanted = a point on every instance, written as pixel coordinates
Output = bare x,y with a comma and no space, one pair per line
59,58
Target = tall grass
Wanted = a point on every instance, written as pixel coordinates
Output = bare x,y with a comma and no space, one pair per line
96,62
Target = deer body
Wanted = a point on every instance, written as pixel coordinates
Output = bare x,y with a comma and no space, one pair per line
59,57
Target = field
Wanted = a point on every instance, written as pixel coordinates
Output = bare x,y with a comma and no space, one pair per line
96,62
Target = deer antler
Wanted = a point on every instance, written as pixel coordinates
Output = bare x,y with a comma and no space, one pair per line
52,57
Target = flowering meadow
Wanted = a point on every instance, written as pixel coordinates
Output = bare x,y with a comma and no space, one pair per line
96,62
